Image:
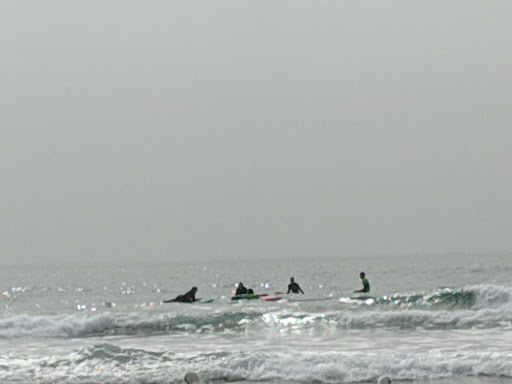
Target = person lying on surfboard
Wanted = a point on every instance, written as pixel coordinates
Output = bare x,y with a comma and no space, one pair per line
294,287
366,284
188,297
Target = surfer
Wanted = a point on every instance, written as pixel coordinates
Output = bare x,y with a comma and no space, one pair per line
241,289
366,284
192,378
294,287
188,297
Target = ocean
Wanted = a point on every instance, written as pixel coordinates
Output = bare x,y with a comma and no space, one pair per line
439,319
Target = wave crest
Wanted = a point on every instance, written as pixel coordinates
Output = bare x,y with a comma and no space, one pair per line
475,306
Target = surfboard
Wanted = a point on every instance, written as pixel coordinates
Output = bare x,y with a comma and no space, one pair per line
201,301
246,296
269,297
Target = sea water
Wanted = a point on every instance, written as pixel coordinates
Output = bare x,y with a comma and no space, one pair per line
445,318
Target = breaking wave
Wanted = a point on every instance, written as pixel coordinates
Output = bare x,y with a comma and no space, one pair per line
482,306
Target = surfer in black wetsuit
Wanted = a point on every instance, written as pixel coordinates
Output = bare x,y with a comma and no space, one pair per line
294,287
188,297
241,289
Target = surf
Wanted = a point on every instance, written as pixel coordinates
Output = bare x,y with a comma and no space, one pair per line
483,306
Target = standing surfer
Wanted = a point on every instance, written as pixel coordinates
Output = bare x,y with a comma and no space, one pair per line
366,284
294,287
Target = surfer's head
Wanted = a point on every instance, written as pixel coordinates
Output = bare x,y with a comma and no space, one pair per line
292,279
240,284
194,289
384,380
362,275
192,378
250,291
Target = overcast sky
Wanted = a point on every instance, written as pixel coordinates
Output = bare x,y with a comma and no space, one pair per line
160,130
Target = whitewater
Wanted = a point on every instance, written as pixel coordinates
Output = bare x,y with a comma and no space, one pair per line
445,318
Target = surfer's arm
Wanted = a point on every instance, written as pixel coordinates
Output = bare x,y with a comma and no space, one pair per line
190,298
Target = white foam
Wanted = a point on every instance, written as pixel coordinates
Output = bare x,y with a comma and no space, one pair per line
491,296
492,309
107,363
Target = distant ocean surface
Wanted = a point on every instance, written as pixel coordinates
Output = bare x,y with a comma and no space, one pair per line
436,319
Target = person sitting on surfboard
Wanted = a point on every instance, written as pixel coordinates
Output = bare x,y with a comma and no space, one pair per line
188,297
241,289
294,287
366,284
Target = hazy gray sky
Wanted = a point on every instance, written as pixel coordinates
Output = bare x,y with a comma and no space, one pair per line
160,130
